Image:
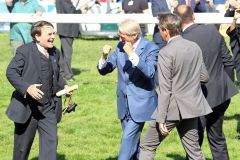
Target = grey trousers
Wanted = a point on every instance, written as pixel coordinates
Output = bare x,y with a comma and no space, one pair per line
187,131
66,57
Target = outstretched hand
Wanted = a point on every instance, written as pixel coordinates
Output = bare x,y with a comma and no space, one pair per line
34,91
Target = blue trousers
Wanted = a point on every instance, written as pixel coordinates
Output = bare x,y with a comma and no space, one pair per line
130,138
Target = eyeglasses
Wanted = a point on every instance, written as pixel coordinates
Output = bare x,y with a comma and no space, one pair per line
121,34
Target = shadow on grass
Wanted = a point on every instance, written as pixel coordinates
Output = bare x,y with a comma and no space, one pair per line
91,38
178,157
237,117
111,158
59,157
77,71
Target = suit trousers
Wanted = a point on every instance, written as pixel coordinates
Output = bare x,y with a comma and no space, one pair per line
214,127
187,131
24,135
130,139
66,57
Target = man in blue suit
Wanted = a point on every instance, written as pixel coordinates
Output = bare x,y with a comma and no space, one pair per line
136,59
164,6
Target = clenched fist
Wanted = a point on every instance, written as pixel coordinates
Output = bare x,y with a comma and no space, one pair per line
106,50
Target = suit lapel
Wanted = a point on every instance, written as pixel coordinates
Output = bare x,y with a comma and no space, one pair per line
140,47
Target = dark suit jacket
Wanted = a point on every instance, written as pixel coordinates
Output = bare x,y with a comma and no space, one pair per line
24,70
67,29
217,59
160,6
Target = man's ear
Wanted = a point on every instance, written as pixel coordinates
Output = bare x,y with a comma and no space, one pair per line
36,37
193,17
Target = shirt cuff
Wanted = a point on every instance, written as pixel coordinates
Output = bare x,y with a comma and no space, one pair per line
134,59
101,63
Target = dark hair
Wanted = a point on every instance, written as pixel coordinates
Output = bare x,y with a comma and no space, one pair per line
171,22
185,14
36,28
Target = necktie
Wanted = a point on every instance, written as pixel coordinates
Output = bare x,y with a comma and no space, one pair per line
46,54
189,2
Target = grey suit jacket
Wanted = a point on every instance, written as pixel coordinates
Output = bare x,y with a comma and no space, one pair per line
180,72
218,61
24,70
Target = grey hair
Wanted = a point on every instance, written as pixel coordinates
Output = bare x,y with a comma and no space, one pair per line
130,27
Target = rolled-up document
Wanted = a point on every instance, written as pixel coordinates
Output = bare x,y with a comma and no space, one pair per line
65,91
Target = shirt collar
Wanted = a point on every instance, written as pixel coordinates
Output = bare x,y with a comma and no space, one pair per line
187,26
136,44
40,49
173,38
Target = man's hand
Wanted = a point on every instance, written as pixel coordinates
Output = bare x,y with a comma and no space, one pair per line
106,50
68,93
173,4
39,12
34,92
163,129
128,48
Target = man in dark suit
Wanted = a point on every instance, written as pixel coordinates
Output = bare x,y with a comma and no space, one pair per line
220,87
234,33
34,73
136,58
180,102
67,32
164,6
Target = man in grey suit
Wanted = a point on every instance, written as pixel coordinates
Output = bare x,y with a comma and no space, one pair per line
180,102
136,59
34,73
220,87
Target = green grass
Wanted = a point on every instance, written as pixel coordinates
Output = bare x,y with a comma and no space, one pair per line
93,132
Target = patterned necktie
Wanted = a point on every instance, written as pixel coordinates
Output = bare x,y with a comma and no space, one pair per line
46,54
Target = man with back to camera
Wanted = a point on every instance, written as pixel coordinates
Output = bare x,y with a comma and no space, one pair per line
135,58
34,73
220,87
180,102
167,6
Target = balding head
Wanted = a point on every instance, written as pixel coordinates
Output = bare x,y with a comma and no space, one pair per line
186,14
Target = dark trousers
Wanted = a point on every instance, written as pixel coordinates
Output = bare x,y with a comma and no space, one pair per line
66,57
24,135
214,127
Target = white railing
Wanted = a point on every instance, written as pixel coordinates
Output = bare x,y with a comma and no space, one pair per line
210,18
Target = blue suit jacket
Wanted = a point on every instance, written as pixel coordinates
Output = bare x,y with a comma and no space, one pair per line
136,85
